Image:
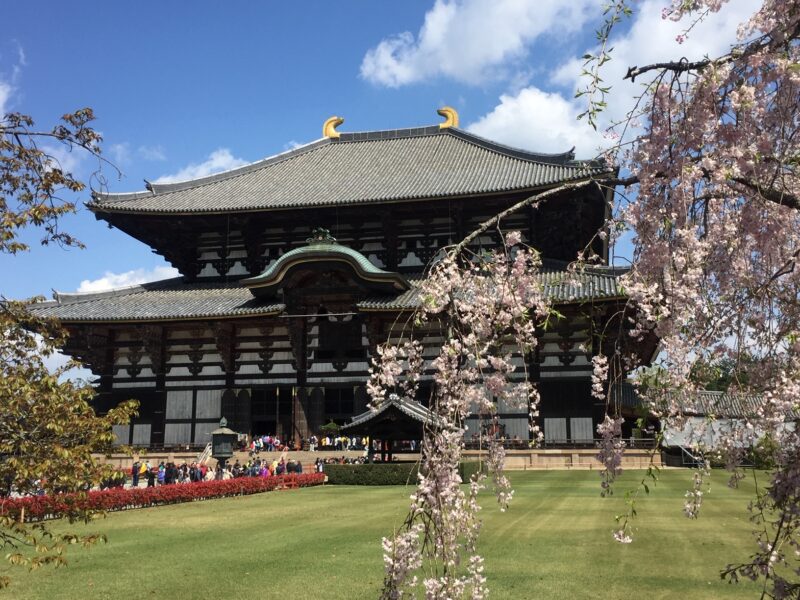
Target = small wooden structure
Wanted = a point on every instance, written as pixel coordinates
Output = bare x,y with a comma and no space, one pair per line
396,419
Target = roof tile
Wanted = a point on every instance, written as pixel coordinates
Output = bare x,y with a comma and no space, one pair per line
359,168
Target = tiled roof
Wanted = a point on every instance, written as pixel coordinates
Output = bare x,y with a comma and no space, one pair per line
173,299
376,166
700,403
722,404
319,252
410,408
169,299
559,286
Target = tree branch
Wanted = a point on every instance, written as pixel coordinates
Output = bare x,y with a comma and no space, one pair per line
683,65
680,66
771,194
535,199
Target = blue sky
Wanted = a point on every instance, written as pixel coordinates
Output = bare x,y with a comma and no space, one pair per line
185,89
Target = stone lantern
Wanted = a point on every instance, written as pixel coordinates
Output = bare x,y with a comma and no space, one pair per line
222,442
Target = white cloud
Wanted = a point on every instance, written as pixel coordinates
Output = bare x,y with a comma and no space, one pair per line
651,39
537,120
120,153
22,60
219,160
546,121
9,87
65,158
110,281
470,40
56,360
152,152
6,90
291,145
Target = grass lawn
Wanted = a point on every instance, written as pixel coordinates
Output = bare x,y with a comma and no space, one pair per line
324,543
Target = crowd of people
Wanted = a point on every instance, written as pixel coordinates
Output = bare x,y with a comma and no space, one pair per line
324,443
269,443
265,468
272,443
167,473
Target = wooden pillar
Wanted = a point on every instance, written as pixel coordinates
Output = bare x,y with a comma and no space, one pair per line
532,241
154,341
458,221
298,337
535,361
376,334
225,340
389,225
252,232
299,419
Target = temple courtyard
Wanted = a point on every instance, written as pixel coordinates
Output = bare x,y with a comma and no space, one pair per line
324,542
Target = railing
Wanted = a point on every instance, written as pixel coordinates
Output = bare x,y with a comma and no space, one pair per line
690,460
204,455
635,443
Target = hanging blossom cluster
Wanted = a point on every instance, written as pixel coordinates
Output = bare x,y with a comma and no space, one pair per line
485,307
611,450
716,223
398,368
612,446
694,496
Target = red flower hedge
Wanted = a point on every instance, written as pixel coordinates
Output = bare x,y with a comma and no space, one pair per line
38,508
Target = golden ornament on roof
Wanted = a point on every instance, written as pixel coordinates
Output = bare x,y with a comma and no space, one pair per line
329,127
451,117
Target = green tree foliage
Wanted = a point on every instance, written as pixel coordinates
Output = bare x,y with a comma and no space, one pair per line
719,375
49,433
32,180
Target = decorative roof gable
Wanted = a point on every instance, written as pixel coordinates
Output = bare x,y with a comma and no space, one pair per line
323,251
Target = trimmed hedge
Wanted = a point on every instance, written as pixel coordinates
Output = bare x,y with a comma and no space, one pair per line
372,474
469,468
37,508
387,473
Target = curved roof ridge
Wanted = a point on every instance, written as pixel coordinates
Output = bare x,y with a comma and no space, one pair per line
554,158
319,250
155,189
558,158
390,134
73,297
553,266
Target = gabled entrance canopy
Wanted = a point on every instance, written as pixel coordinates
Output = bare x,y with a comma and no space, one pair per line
396,419
324,253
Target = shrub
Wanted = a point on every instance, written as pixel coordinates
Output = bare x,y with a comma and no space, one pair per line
763,455
387,473
373,474
38,508
469,468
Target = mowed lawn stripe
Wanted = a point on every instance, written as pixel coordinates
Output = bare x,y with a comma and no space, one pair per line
554,542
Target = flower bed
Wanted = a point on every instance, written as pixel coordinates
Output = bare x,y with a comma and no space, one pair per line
37,508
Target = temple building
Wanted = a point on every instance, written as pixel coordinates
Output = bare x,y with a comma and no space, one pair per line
295,267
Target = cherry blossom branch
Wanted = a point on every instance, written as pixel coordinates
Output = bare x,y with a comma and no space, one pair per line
535,199
781,197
